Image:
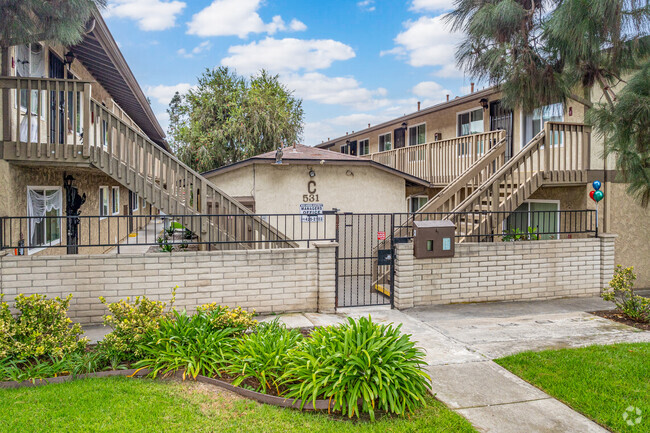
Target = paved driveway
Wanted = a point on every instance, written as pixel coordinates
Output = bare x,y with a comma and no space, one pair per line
504,328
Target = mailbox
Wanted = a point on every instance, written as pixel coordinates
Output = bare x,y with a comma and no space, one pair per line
433,239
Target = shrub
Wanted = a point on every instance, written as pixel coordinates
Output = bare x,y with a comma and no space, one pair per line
45,368
621,293
263,355
131,321
223,317
189,343
359,361
41,329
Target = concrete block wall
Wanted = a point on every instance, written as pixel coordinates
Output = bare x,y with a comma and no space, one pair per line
505,271
268,281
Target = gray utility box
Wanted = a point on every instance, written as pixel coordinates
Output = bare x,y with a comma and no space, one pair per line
433,239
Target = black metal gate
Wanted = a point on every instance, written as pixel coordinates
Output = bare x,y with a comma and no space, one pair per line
365,266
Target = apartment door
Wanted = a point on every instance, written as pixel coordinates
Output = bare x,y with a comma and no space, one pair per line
400,137
500,118
130,211
352,148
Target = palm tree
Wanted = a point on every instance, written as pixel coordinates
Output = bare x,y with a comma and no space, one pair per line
539,51
627,130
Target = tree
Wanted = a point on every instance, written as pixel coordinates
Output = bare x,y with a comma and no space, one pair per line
627,130
59,21
541,52
227,118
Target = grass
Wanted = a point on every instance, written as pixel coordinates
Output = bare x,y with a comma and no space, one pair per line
176,225
601,382
140,405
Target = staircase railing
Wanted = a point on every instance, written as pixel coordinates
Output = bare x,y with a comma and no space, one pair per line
57,120
558,154
439,162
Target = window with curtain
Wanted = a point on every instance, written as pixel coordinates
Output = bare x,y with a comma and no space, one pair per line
417,135
534,122
385,142
136,202
44,206
364,147
542,216
471,123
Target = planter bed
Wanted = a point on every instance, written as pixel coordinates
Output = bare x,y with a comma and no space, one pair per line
253,395
617,316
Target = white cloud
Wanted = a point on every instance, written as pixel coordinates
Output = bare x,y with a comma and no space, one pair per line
317,87
289,54
150,14
203,46
430,91
316,132
367,5
164,94
432,5
237,18
428,42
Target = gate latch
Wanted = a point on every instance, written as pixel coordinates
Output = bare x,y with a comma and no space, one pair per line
385,257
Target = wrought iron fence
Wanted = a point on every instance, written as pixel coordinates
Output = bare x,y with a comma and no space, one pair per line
164,233
507,226
150,233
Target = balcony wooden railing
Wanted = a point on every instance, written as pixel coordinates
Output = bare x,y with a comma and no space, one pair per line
66,125
439,162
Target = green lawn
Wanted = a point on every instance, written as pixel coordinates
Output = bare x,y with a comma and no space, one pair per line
599,381
140,405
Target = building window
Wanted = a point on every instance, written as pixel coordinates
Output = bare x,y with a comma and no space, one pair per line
136,202
534,122
417,134
103,201
542,216
345,149
115,200
44,206
30,62
416,202
364,147
470,122
385,142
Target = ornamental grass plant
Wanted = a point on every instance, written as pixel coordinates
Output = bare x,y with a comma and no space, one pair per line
361,367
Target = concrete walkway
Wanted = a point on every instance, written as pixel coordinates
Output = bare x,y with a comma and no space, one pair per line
460,342
148,234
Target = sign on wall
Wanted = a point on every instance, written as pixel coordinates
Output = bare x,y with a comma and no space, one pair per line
311,212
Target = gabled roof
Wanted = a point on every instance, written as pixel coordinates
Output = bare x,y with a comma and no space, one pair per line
99,53
307,155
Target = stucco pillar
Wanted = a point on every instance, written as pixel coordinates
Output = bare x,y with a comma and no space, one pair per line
326,276
403,287
607,258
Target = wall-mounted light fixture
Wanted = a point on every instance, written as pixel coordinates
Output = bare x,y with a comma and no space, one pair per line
404,125
69,58
312,173
484,103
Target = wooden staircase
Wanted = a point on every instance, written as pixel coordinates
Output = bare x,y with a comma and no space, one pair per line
120,150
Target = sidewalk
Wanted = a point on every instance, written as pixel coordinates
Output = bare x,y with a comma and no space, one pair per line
148,234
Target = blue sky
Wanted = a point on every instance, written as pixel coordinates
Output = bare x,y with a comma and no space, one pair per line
352,62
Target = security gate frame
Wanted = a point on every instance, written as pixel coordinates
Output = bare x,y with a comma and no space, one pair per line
365,265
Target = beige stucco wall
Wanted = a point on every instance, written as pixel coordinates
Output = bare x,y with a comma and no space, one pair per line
13,202
280,189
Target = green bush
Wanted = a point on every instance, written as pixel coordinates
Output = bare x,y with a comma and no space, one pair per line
621,293
186,343
223,317
263,355
131,321
359,361
34,369
41,329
